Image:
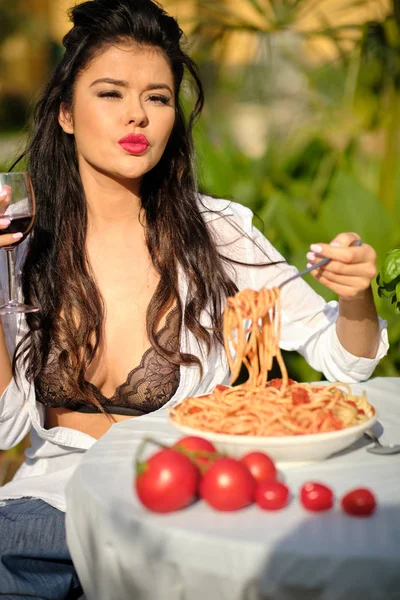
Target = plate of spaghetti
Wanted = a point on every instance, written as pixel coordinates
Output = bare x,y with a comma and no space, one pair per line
294,422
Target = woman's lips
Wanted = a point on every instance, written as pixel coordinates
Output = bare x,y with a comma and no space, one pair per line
134,143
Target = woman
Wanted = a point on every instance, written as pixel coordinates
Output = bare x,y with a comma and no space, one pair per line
131,267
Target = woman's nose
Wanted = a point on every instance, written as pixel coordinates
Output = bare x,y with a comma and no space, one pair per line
136,114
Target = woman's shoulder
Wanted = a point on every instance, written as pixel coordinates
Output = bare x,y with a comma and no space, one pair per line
231,224
213,208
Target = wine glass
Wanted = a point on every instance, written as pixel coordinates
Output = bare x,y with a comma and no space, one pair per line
20,209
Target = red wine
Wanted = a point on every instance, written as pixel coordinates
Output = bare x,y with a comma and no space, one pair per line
19,224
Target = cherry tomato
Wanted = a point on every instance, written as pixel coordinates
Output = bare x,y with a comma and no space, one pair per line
359,502
260,465
300,396
278,382
272,495
316,496
227,485
192,444
167,481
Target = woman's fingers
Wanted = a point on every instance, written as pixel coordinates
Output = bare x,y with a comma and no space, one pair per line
348,269
351,255
342,285
351,268
7,239
5,198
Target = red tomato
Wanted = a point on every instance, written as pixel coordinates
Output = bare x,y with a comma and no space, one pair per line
360,502
200,451
300,396
260,465
227,485
316,496
221,388
278,382
272,495
167,481
360,410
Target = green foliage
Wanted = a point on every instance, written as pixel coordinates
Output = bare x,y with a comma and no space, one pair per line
388,279
11,14
279,195
321,175
14,112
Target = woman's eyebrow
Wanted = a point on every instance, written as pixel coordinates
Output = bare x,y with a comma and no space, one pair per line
122,83
119,82
159,86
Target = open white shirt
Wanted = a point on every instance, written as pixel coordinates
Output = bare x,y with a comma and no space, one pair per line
308,326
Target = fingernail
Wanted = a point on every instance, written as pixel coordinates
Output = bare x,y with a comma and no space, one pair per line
3,194
310,255
309,265
17,236
316,248
4,221
336,244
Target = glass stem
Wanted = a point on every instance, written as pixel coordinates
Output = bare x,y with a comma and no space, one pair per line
11,276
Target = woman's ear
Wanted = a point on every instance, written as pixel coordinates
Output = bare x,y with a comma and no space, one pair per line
65,119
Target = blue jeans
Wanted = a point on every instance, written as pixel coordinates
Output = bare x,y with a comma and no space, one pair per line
34,558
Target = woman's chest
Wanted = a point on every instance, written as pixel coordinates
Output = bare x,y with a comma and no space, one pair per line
127,281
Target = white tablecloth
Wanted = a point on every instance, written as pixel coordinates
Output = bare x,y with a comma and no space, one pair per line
123,552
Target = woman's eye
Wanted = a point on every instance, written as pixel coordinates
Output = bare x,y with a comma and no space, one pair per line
159,98
110,94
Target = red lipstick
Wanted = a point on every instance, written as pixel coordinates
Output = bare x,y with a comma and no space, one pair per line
134,143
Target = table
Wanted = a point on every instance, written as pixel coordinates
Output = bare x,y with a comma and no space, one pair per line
121,551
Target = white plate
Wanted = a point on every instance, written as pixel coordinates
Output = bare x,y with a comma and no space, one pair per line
286,450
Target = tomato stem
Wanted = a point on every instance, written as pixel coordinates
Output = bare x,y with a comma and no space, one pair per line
139,465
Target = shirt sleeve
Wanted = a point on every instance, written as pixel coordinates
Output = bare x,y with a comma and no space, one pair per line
308,322
15,422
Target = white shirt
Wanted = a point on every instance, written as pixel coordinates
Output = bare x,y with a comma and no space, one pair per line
308,326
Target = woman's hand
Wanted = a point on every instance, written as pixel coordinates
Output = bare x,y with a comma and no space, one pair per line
6,239
351,269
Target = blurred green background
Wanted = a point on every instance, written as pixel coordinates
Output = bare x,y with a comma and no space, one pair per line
301,122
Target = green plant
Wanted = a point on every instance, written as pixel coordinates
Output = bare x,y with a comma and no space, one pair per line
333,168
388,279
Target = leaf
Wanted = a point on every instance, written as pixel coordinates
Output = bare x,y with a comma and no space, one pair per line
384,293
256,5
351,207
298,229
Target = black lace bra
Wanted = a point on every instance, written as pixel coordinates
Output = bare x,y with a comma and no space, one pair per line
147,387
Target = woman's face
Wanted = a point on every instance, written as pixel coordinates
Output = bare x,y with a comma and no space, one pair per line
123,113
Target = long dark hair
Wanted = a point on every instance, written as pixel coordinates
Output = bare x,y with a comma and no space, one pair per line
57,273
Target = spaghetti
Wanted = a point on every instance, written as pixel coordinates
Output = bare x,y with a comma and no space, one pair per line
258,407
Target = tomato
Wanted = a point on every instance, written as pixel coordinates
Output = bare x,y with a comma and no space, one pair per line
221,388
167,481
277,383
359,502
199,450
330,422
260,465
359,410
272,495
300,396
227,485
316,496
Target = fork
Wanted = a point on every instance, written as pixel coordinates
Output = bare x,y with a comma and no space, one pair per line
379,448
317,265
